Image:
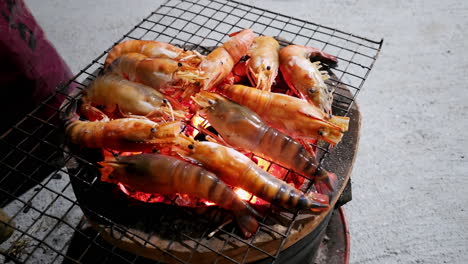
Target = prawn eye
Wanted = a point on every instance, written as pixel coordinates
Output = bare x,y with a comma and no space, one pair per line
311,90
245,57
165,101
179,64
268,68
320,132
211,102
190,146
153,130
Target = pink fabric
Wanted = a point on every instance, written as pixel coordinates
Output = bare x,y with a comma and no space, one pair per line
30,67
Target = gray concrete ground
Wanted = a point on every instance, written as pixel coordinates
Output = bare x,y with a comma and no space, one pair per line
410,179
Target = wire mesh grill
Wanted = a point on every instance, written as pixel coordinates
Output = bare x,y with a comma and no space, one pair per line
42,202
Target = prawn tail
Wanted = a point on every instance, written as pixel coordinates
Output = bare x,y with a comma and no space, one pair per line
322,56
320,202
68,115
246,219
325,181
239,44
107,168
235,33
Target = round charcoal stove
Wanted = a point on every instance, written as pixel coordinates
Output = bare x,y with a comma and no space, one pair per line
171,233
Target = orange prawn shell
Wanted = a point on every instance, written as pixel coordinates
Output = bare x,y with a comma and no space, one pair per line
158,72
149,48
154,173
236,169
125,134
263,62
292,115
304,76
126,65
130,97
219,63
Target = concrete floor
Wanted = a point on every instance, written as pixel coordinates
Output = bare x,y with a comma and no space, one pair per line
410,180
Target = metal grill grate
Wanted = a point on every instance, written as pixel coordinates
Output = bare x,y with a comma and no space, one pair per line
43,202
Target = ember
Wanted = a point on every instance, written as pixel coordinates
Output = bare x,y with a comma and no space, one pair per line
122,188
183,199
197,123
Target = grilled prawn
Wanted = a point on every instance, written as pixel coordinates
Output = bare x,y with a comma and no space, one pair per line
125,134
293,116
172,76
169,76
153,49
242,128
155,173
236,169
263,62
114,93
219,63
305,76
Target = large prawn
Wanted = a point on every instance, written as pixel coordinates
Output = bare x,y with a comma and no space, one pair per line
304,76
238,170
169,76
263,62
240,127
124,134
219,63
113,94
155,173
293,116
173,76
153,49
